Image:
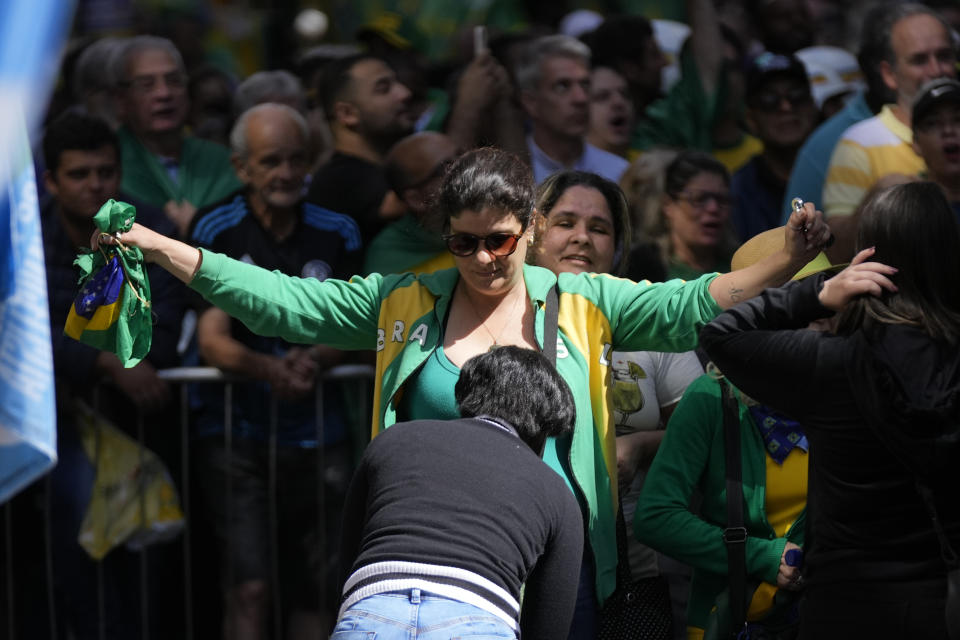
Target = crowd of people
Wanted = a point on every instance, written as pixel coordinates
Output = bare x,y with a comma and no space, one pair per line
554,191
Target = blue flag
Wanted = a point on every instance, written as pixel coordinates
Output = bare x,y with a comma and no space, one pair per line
32,33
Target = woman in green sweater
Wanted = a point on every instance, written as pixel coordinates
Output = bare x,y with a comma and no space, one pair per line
691,458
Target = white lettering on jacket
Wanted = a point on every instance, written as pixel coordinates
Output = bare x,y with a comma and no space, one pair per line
381,339
605,354
397,331
561,348
419,334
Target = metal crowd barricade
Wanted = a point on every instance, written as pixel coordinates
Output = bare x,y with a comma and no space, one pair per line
16,625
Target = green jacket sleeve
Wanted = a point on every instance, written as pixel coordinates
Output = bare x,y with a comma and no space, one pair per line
663,316
300,310
692,456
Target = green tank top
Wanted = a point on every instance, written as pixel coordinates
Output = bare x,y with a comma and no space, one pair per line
429,393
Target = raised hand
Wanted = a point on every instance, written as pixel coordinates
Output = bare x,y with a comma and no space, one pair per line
860,278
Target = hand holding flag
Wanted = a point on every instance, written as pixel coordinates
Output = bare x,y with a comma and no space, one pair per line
112,310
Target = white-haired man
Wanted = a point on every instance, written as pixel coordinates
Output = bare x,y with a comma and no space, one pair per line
267,223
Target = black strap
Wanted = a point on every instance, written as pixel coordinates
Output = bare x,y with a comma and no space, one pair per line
946,550
551,317
735,535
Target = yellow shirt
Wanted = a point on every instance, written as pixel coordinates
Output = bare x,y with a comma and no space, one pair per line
784,500
869,150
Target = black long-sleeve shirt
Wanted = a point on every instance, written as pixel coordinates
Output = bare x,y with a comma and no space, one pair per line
867,521
468,495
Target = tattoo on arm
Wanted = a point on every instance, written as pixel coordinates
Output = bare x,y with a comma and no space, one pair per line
735,294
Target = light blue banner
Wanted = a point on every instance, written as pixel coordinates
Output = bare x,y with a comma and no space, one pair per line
32,34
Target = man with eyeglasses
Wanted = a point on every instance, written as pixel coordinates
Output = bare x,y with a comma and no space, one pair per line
781,113
414,169
936,135
162,165
919,49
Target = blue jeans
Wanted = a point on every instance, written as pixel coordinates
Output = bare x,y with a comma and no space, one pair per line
413,614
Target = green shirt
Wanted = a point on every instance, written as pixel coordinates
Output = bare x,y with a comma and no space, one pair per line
204,173
692,458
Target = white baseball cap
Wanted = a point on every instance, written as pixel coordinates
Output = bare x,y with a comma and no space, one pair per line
832,71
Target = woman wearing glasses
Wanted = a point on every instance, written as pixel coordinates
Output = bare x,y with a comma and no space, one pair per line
691,228
425,327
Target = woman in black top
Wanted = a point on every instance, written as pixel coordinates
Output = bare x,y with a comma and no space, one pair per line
881,403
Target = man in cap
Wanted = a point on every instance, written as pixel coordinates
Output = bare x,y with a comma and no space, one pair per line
936,135
919,49
781,113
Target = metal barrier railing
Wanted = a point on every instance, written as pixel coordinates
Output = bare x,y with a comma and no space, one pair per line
18,626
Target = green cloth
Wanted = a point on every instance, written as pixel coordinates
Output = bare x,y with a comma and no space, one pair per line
205,174
112,310
684,118
690,458
402,246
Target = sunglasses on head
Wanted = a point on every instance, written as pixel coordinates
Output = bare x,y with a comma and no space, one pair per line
496,244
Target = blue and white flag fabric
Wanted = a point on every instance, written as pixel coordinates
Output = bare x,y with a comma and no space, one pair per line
32,33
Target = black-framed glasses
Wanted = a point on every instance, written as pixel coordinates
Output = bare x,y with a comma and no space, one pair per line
497,244
700,199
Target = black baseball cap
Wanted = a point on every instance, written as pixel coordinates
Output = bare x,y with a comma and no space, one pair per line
766,65
932,94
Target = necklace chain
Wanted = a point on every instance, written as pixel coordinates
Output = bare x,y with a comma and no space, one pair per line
495,338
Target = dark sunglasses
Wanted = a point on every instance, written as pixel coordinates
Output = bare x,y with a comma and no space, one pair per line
770,100
497,244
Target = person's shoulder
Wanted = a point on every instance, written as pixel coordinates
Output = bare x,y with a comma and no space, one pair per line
747,172
707,384
214,219
869,132
323,219
609,165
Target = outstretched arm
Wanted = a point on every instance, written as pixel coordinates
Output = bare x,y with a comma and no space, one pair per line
805,233
178,258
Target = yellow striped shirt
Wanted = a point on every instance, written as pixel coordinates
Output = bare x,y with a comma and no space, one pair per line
868,151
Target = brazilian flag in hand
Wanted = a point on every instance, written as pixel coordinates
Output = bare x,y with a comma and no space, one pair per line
112,310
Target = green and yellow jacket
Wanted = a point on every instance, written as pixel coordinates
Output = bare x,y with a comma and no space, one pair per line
401,316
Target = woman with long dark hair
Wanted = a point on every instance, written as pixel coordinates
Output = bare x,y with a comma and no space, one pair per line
880,402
